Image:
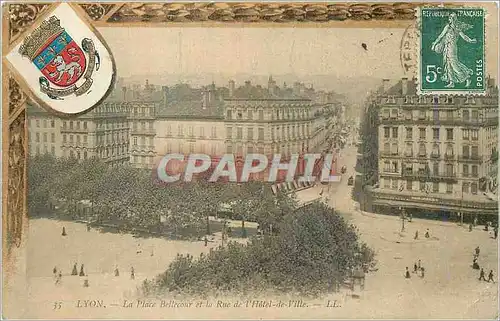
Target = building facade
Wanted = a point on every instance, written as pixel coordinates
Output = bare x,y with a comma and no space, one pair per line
436,153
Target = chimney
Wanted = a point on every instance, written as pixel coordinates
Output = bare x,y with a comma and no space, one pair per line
231,88
404,86
164,90
491,82
385,83
124,93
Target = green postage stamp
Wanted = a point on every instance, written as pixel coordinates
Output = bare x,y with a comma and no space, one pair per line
452,56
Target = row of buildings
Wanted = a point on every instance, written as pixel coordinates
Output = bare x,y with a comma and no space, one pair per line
431,154
140,124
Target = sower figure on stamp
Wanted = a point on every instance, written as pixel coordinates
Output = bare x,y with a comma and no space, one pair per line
446,44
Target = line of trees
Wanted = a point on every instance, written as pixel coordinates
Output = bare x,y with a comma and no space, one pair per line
130,198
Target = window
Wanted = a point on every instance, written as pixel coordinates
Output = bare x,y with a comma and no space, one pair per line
409,185
240,115
202,132
387,166
191,147
475,116
475,152
421,114
435,150
394,149
394,113
78,139
44,123
421,150
53,150
52,124
475,172
474,134
409,149
449,133
422,133
52,138
37,137
229,149
135,141
394,168
190,131
64,138
387,183
78,125
387,132
435,133
387,148
435,100
250,133
44,137
470,100
250,149
465,134
449,188
180,130
435,168
394,184
214,132
435,187
71,125
143,141
465,187
449,170
465,151
465,170
277,114
465,115
473,188
37,123
409,133
250,114
261,115
421,186
449,99
449,114
169,130
261,133
239,133
229,114
394,132
408,114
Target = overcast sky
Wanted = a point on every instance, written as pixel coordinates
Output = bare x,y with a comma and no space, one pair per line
301,51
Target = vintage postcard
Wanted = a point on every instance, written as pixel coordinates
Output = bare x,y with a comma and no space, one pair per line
232,160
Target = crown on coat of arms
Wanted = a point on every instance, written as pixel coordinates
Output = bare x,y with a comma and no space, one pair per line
38,38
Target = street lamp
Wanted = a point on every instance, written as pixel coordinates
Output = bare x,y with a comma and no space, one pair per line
403,218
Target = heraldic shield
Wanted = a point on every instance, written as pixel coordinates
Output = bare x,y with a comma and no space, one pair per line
60,59
65,62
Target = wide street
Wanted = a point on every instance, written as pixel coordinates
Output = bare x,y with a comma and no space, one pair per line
450,288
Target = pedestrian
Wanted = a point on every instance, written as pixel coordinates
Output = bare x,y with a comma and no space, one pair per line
481,275
477,251
59,278
486,227
490,276
86,283
206,240
81,271
470,227
88,227
54,270
407,274
117,272
132,273
410,217
427,235
416,235
475,221
419,265
495,232
475,265
422,270
75,270
415,268
64,231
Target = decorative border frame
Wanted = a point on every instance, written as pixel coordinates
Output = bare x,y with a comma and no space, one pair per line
19,17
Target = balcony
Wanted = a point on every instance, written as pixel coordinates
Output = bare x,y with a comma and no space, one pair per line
435,155
149,132
469,158
422,155
449,156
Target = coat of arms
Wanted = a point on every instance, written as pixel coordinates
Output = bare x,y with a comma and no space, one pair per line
61,59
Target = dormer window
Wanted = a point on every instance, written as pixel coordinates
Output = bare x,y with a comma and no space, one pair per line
470,100
421,99
391,100
449,99
435,100
408,99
